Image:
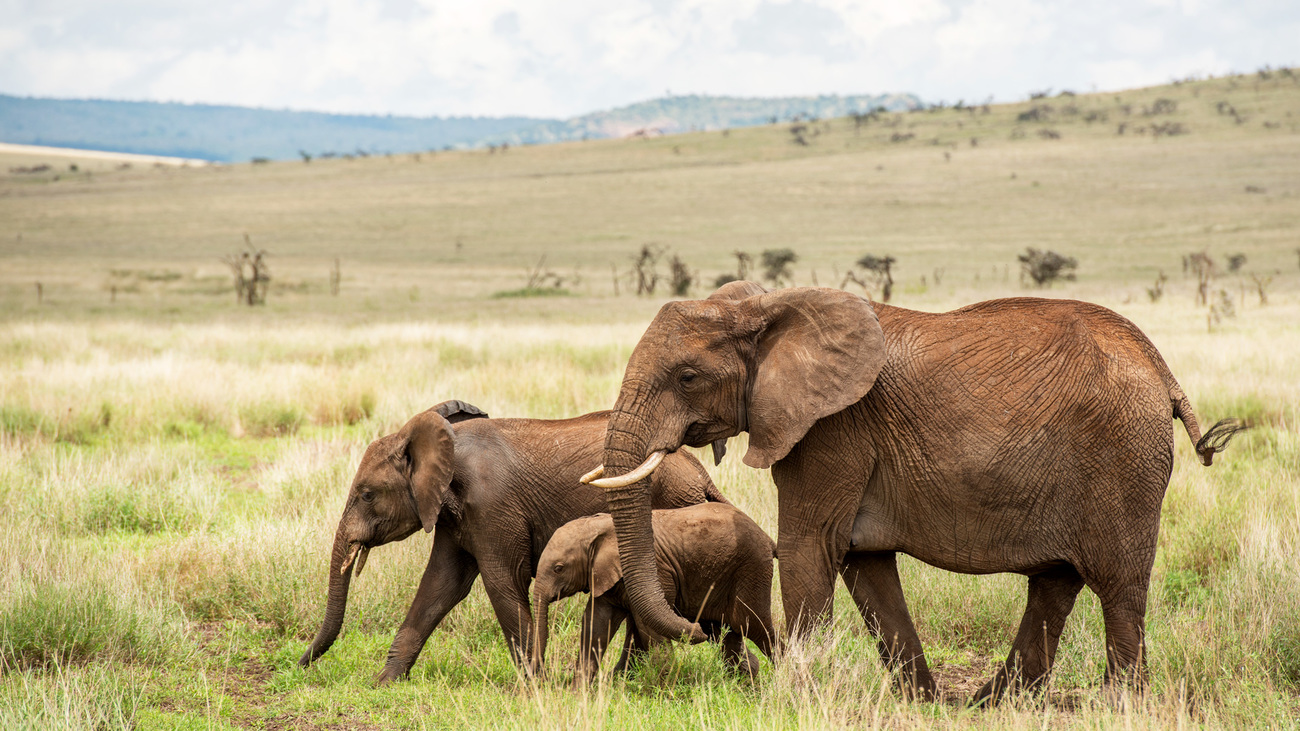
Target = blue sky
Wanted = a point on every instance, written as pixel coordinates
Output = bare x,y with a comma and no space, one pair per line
567,57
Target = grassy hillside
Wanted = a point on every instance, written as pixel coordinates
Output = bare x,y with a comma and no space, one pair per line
172,464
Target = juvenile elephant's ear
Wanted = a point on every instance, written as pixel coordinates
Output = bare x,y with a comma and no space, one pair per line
819,351
428,446
606,570
456,411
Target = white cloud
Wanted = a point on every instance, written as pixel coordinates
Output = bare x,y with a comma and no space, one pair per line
558,58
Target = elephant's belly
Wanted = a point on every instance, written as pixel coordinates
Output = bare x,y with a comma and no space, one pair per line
960,540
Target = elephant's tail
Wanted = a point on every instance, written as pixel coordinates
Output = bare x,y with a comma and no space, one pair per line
712,494
1213,441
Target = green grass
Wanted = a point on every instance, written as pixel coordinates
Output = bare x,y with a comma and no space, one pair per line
172,465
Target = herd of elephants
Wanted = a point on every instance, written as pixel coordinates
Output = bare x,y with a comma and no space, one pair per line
1020,435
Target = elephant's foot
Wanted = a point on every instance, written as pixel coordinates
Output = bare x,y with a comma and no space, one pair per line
917,686
746,666
391,674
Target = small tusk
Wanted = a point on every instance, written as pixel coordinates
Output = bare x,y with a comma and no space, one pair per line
635,476
593,475
361,559
351,557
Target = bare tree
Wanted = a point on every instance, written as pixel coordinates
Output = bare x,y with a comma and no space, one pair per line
1156,291
644,268
1202,266
336,277
251,274
680,277
1261,287
879,269
744,263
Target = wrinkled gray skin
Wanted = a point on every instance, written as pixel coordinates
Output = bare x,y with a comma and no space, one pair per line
496,489
1020,435
714,564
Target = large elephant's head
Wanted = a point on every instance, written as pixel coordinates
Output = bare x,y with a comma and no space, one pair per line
771,364
399,488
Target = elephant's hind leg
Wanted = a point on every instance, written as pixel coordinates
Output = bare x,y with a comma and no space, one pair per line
737,657
872,579
446,582
1051,597
1124,612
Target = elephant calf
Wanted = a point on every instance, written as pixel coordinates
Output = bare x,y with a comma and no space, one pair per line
496,489
715,565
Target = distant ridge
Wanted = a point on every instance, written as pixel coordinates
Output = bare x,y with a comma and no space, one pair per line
229,133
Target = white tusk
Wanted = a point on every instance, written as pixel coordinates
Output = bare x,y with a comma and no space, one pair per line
361,559
351,557
635,476
593,475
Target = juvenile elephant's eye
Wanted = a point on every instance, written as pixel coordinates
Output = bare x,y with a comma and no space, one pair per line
557,568
367,496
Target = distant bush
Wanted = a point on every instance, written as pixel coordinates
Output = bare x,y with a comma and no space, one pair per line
532,292
1045,267
271,419
776,266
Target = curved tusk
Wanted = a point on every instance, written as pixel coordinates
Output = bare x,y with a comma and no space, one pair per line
351,557
635,476
361,559
593,475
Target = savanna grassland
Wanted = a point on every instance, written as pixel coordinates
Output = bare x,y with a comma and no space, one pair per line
172,464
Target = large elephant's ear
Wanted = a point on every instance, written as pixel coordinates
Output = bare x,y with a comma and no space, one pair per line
819,351
606,570
428,447
738,289
456,411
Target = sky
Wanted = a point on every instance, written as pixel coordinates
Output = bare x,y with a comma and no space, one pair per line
560,58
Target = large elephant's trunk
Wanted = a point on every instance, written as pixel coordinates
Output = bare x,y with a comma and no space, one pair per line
340,579
630,508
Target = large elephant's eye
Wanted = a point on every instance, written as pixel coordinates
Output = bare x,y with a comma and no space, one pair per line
687,377
367,496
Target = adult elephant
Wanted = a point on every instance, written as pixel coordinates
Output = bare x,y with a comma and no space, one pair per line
1018,435
495,489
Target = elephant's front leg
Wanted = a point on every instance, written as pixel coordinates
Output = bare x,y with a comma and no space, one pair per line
872,579
600,621
446,582
813,526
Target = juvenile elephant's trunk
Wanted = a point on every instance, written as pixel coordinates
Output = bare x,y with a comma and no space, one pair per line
340,579
542,598
630,508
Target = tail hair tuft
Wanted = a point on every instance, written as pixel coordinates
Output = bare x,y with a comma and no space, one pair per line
1216,439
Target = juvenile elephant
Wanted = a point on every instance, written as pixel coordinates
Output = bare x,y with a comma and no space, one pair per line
714,563
496,489
1018,435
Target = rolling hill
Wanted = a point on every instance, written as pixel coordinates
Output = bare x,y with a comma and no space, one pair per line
229,133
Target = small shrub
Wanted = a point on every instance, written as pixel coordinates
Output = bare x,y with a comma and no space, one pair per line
271,420
532,292
77,620
776,265
1045,266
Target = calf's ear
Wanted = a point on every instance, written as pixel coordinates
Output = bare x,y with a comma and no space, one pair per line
605,567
